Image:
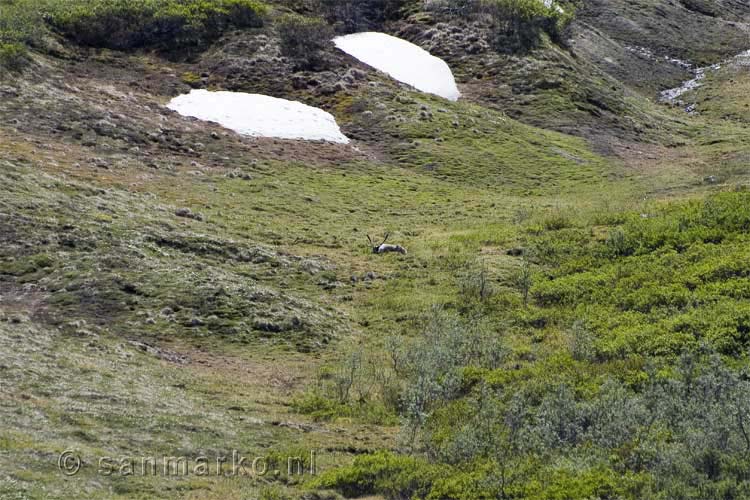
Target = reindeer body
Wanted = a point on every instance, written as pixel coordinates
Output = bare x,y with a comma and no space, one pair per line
389,248
385,248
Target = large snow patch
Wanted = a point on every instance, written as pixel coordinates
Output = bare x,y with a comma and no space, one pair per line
403,60
259,115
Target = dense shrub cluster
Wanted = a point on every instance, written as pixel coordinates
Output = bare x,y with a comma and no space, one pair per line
643,391
19,27
657,284
122,24
304,40
13,56
517,25
350,16
126,24
682,434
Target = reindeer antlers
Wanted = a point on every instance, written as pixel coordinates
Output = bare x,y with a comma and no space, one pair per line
384,240
383,248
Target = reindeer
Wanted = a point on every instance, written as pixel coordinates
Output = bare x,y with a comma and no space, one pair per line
383,248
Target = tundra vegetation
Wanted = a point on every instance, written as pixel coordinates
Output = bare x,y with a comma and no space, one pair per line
571,320
645,396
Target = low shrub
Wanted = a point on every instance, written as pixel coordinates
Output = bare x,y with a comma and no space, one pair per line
13,56
20,27
475,285
383,473
646,286
639,389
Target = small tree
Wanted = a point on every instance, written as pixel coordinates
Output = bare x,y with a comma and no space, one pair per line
475,284
524,280
582,342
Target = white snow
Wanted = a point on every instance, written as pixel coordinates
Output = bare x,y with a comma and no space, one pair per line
550,3
673,95
260,116
403,61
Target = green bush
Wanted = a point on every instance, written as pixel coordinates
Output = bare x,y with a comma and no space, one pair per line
168,24
650,285
350,16
304,40
640,389
475,285
20,27
519,24
13,56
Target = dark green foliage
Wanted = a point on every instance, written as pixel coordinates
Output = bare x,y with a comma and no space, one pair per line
128,24
19,28
19,22
517,25
13,56
349,16
304,40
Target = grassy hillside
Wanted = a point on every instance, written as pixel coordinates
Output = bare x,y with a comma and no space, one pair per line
569,321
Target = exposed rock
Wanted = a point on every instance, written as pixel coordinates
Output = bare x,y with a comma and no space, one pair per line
188,214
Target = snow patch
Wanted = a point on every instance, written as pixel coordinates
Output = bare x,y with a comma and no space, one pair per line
260,116
551,3
403,61
672,96
646,53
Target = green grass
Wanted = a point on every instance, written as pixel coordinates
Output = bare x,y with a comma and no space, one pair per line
285,244
722,95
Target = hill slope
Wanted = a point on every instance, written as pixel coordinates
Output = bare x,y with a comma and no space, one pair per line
170,288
